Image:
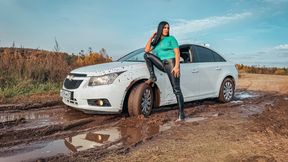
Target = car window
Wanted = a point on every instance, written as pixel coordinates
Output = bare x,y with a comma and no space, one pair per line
204,54
135,56
217,57
185,55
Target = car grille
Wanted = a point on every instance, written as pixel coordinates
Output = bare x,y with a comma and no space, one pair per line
72,84
78,75
72,101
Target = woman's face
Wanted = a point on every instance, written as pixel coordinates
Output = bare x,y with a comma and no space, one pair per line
165,30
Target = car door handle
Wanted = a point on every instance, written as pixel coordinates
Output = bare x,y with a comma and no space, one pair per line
195,71
218,68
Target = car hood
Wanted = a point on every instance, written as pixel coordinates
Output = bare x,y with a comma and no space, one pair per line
106,68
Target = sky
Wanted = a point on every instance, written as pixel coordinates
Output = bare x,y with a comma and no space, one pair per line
252,32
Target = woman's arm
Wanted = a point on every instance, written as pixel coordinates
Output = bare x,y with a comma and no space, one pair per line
148,44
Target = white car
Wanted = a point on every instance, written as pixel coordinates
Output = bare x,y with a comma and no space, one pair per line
119,86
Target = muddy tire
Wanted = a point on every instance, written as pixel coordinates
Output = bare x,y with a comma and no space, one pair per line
140,100
227,90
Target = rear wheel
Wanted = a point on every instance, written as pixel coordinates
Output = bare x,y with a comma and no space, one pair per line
140,100
227,90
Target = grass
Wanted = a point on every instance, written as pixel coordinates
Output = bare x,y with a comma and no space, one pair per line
28,87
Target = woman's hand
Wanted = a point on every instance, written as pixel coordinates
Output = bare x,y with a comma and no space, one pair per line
148,44
176,72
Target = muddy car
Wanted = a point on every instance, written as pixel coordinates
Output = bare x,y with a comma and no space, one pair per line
119,86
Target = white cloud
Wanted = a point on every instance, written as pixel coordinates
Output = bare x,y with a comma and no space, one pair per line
282,47
183,27
270,58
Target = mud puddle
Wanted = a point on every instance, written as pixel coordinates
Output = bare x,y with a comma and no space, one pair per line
128,132
39,118
31,152
247,110
245,95
108,138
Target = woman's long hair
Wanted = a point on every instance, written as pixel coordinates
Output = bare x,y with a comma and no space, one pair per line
157,38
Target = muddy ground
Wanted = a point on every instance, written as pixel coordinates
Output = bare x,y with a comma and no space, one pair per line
253,127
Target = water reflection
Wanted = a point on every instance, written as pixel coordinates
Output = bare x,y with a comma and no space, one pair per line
124,135
110,137
34,151
91,139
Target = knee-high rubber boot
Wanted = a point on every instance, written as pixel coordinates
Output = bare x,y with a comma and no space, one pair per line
180,101
150,69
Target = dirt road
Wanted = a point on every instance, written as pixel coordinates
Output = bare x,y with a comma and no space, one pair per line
253,127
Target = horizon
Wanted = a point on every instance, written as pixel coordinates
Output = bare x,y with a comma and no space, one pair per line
267,65
243,31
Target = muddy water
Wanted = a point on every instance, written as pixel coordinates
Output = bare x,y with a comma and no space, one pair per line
245,95
43,117
111,137
247,108
108,138
30,152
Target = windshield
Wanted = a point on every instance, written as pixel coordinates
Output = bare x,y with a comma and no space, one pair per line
135,56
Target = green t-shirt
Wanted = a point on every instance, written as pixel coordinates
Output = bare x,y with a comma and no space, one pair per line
165,48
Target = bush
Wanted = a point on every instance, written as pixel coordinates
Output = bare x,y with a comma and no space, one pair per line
7,81
29,87
261,70
280,72
27,71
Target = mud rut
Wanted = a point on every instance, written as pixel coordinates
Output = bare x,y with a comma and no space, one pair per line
51,131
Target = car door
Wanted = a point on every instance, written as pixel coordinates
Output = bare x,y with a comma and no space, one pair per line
189,79
189,74
166,92
209,71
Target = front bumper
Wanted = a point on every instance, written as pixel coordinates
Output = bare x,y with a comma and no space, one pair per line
113,93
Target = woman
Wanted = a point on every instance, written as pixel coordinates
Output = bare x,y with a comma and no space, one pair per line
166,59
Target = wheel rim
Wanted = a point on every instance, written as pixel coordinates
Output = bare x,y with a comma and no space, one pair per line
228,91
146,101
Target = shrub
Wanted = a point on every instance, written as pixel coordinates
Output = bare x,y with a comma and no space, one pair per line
280,72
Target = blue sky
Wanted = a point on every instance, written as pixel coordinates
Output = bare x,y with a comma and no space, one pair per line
244,31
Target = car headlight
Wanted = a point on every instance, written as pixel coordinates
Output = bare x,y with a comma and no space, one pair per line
104,79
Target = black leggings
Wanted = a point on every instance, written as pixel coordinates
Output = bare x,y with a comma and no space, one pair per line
166,66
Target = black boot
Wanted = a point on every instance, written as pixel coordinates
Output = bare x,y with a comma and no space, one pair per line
150,69
181,113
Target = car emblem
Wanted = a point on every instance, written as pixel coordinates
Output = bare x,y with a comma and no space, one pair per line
70,77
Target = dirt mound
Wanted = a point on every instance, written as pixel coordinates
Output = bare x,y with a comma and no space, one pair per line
274,119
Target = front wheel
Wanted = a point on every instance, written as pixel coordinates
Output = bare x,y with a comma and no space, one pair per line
227,90
140,100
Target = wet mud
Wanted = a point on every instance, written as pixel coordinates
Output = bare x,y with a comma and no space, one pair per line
54,132
28,106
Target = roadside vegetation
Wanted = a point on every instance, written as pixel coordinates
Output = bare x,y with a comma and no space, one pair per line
261,70
28,71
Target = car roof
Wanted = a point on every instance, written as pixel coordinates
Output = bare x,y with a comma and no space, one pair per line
187,45
184,45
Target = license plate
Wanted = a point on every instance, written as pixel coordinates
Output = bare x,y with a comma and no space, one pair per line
66,94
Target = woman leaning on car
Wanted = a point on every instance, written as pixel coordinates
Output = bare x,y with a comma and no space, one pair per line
165,56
